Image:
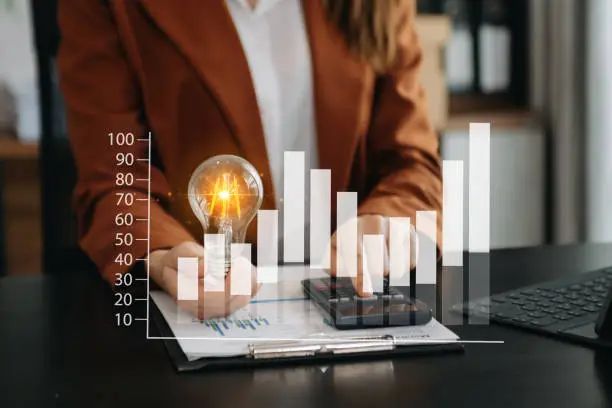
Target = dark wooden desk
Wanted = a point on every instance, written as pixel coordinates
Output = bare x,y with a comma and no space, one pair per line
59,348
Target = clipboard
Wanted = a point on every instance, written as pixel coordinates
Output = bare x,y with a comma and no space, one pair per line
268,355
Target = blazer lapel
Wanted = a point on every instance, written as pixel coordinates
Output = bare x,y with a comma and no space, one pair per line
340,95
204,33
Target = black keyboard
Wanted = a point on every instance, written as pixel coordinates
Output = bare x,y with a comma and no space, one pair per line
554,307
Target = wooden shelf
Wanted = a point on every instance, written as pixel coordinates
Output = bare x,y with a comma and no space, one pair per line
499,118
13,149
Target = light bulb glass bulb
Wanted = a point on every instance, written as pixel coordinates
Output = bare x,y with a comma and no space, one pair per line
225,193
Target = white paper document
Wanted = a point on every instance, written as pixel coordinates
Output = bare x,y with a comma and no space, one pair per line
278,314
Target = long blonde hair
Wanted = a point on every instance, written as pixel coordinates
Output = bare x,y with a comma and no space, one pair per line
370,28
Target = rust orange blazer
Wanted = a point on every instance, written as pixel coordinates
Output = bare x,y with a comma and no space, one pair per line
177,69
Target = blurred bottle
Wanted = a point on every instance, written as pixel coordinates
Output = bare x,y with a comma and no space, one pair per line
460,49
8,111
495,38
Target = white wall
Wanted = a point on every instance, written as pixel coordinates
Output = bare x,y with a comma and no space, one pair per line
17,64
599,121
517,183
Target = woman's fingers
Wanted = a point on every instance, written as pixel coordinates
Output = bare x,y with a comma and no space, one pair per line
348,260
216,298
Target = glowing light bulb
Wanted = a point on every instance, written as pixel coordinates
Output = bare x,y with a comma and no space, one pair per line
225,193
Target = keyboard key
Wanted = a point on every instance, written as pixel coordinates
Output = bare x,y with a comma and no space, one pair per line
529,307
564,306
548,295
600,289
558,299
593,299
498,299
578,302
519,302
547,321
520,320
562,316
576,313
536,315
545,304
575,287
589,284
514,296
572,296
530,292
551,310
561,291
590,308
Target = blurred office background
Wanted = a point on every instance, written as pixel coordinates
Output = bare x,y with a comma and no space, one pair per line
536,69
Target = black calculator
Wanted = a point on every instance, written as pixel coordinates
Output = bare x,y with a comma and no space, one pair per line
345,309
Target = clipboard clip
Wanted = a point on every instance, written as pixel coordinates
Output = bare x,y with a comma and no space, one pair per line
337,347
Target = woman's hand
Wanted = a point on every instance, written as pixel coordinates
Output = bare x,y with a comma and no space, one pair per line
370,224
164,271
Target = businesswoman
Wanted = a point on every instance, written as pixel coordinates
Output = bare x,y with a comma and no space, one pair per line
338,79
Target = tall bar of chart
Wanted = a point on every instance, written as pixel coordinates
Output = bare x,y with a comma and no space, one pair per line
479,214
241,270
293,207
426,266
320,218
214,263
400,250
187,279
373,258
452,239
267,246
346,235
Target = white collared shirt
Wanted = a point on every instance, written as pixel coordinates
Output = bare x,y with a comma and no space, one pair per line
275,42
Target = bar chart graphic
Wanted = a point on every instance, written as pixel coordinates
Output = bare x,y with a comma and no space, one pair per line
281,233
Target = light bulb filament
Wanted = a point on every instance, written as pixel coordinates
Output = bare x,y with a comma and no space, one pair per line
227,192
